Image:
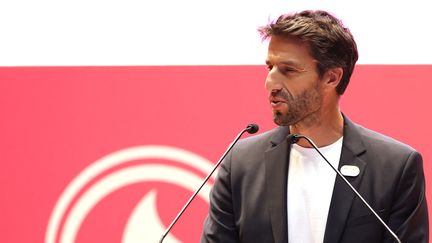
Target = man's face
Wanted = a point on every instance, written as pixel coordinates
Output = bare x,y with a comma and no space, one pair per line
292,82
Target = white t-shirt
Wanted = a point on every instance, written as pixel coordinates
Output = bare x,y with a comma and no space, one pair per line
310,188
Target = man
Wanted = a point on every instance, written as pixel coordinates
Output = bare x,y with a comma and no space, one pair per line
271,191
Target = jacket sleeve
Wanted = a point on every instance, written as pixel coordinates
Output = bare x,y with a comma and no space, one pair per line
219,225
409,214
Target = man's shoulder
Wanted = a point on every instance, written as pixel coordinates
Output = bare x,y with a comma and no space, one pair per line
377,140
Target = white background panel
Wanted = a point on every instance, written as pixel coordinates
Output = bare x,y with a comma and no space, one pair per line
191,32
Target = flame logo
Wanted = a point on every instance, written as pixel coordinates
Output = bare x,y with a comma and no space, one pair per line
144,223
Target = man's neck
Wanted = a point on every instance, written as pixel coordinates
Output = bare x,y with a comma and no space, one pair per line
324,130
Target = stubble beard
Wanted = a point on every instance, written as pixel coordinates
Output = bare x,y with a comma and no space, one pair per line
304,108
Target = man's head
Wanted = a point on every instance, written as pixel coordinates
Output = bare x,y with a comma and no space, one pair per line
310,59
330,43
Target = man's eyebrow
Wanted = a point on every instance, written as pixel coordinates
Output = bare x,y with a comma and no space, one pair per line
291,63
287,63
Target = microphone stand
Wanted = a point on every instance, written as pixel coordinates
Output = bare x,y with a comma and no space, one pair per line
251,128
293,138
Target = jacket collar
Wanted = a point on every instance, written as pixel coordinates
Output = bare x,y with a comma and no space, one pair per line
276,168
279,135
343,197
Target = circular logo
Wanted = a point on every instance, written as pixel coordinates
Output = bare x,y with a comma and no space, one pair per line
150,164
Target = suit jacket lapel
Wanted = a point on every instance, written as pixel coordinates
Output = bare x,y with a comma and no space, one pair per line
276,167
343,197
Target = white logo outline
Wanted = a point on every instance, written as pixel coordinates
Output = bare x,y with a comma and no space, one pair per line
82,206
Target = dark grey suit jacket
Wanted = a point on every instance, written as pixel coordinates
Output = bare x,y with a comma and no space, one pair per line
248,201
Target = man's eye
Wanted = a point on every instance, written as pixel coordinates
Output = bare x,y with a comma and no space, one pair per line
285,70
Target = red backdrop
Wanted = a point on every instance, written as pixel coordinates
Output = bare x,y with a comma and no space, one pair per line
58,122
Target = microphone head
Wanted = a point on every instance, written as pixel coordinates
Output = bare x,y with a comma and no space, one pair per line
252,128
293,138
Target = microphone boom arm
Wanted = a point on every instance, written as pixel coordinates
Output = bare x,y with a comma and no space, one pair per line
251,128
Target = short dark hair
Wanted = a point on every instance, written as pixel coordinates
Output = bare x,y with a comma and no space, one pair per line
330,42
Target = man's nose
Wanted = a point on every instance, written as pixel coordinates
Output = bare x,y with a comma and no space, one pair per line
273,82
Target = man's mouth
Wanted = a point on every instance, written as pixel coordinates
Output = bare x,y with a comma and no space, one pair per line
276,102
278,98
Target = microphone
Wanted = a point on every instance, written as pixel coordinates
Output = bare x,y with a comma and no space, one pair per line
294,138
251,129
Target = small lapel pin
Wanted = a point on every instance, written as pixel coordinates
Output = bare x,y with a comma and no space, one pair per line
350,170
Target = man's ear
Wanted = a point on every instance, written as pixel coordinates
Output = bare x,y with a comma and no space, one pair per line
333,77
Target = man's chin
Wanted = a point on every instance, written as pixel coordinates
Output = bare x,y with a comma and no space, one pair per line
280,120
